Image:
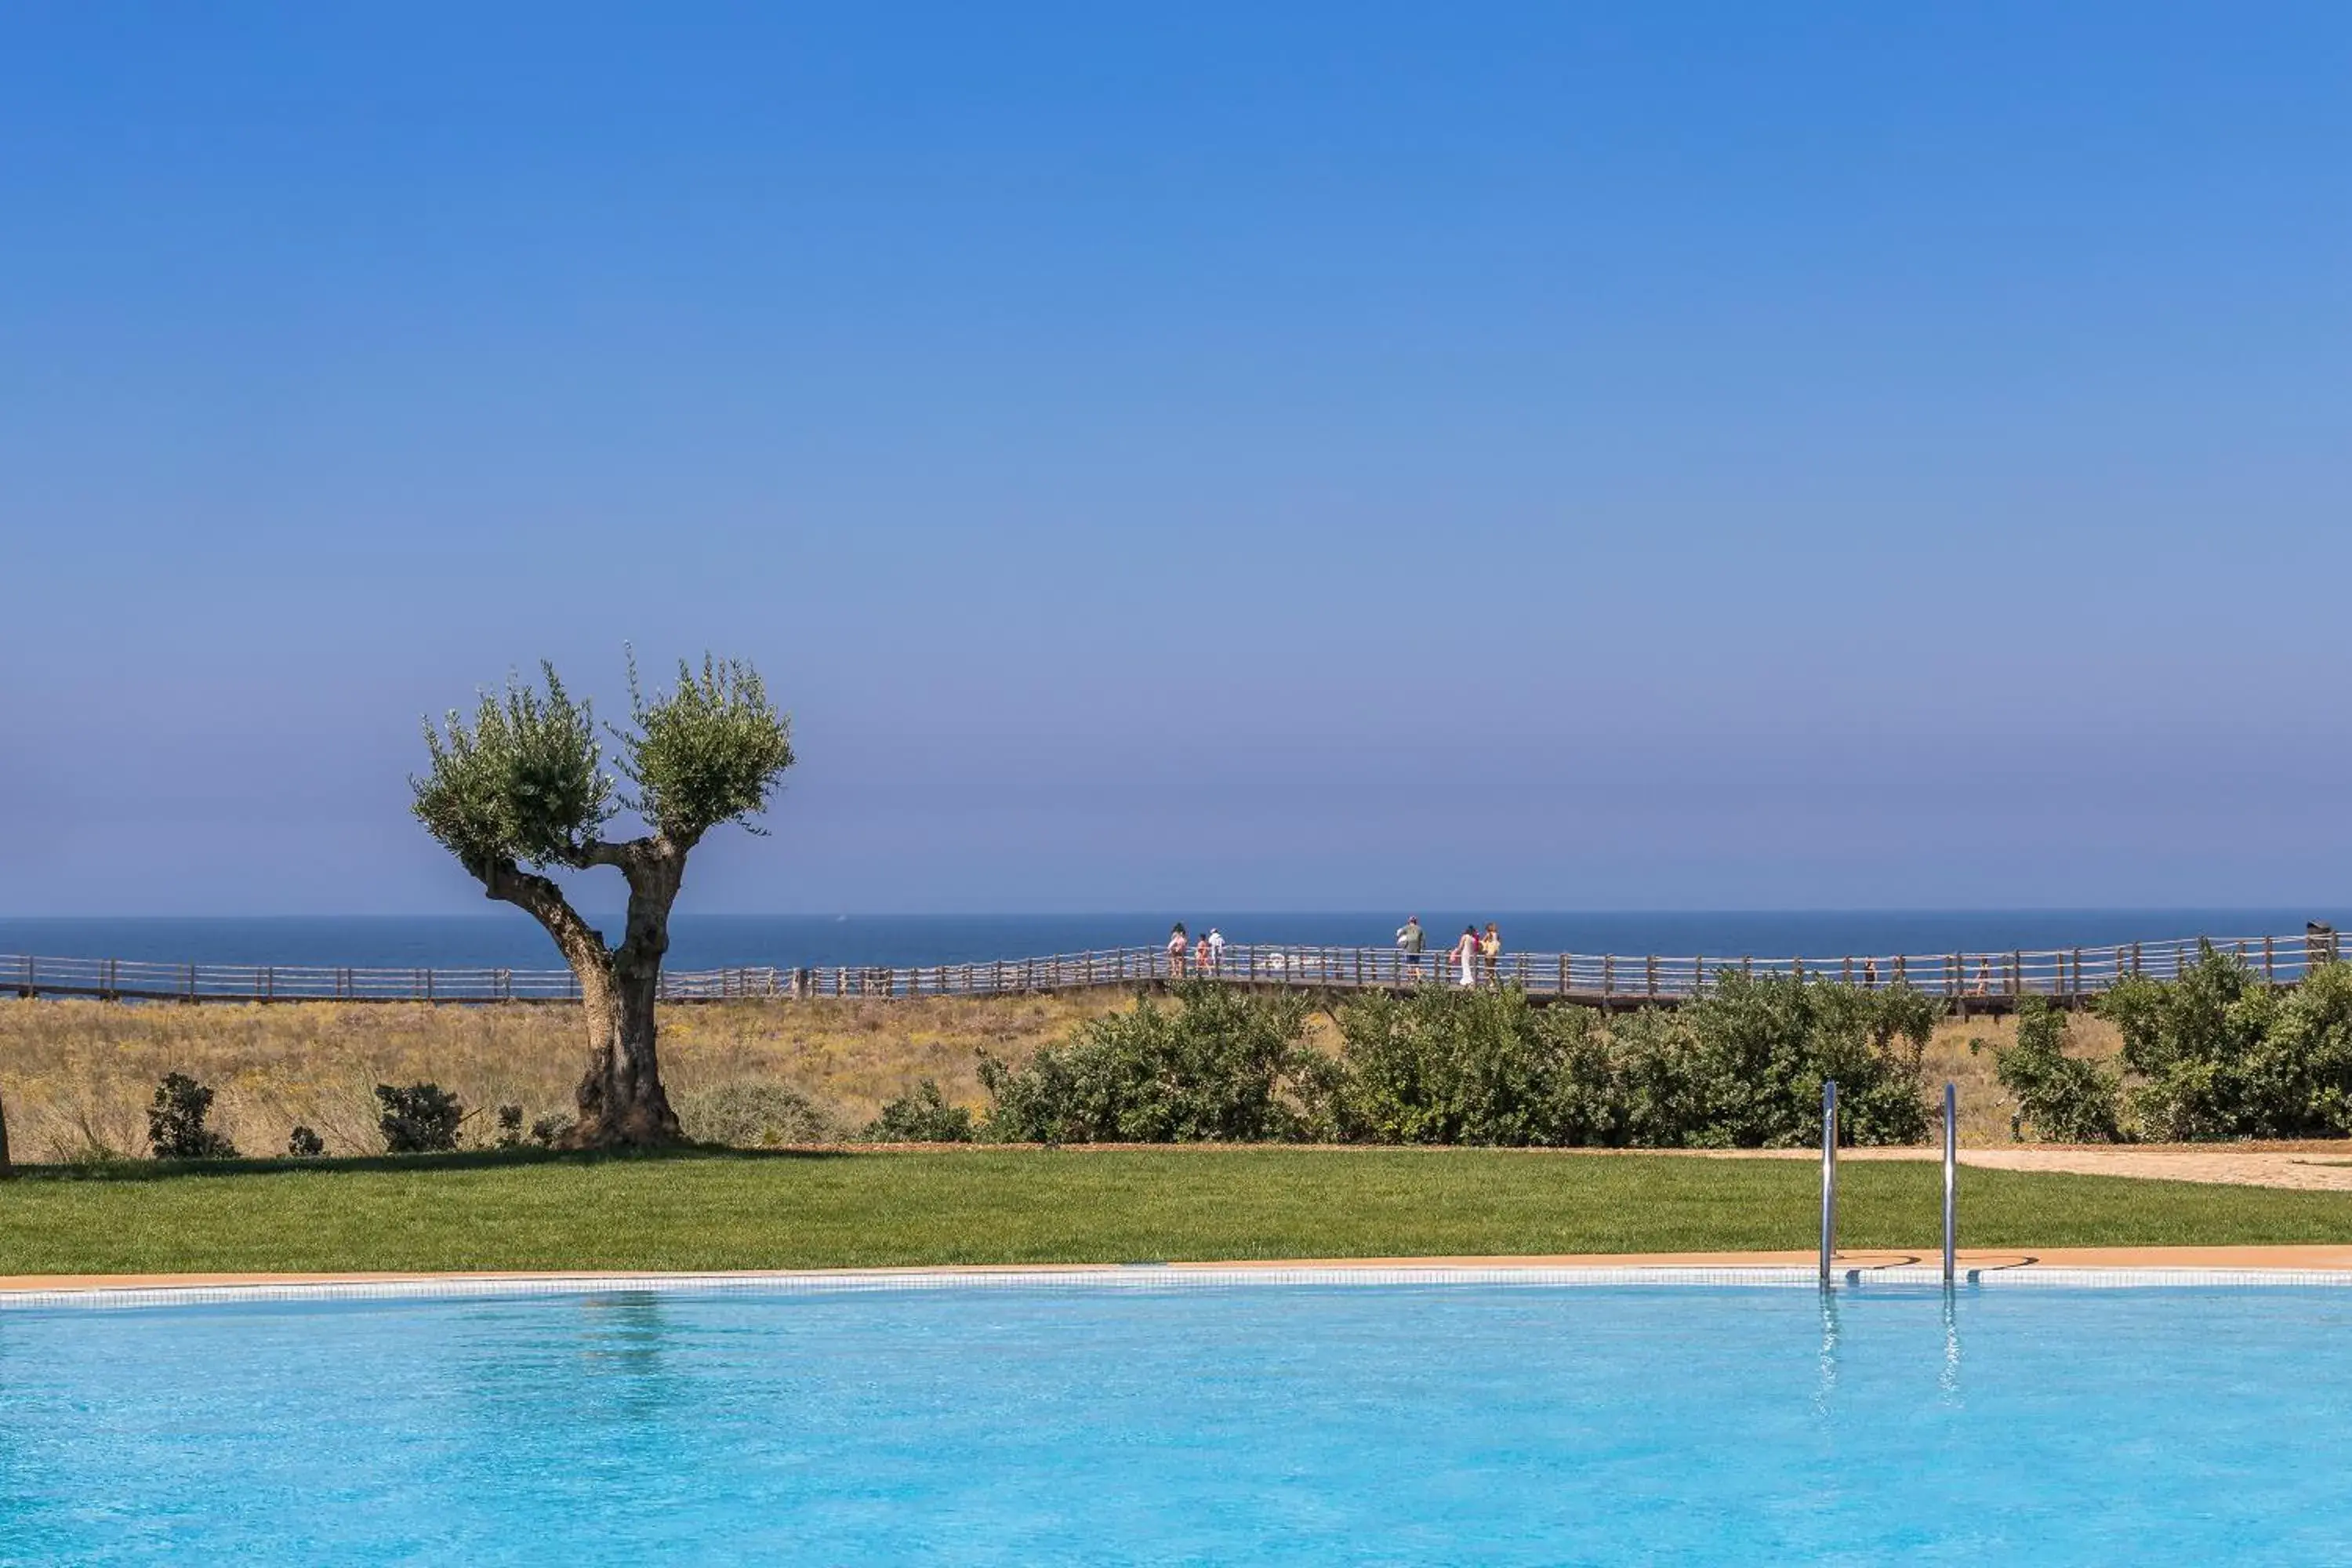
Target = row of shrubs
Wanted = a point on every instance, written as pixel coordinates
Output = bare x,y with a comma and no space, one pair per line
419,1118
426,1119
2217,1053
1742,1067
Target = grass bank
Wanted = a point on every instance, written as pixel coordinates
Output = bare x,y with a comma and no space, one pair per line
712,1210
76,1077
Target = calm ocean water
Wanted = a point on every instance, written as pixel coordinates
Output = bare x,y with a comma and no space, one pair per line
709,941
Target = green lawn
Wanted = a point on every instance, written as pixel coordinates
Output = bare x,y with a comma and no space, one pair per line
744,1211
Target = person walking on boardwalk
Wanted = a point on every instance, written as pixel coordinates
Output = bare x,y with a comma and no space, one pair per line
1490,954
1465,956
1212,949
1177,943
1409,939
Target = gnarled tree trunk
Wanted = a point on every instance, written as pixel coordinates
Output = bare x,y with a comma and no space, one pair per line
4,1141
621,1100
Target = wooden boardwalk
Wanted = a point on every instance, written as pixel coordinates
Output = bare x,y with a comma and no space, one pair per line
1969,982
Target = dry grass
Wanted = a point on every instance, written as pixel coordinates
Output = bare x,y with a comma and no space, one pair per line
76,1077
1984,1109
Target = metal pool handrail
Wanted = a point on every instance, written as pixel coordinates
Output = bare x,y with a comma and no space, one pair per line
1828,1178
1951,1178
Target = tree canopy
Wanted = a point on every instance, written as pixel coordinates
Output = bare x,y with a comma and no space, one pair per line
525,782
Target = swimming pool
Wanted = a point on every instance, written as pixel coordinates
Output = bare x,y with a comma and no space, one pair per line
1232,1423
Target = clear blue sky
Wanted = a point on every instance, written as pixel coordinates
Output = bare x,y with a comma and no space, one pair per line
1300,457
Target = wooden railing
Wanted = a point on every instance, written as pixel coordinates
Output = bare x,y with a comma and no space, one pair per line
1968,980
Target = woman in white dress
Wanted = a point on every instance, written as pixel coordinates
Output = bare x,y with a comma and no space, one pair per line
1465,956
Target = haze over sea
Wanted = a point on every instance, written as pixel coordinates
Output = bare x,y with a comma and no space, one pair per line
716,941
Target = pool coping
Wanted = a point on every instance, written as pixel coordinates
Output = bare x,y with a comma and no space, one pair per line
2071,1267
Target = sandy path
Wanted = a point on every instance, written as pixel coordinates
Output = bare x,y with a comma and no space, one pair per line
2310,1167
2250,1168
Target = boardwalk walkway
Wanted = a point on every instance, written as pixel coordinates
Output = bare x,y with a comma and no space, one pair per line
1968,982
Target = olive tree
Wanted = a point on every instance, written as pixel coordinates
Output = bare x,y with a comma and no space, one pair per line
522,789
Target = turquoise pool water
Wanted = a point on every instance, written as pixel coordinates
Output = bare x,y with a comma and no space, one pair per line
1251,1424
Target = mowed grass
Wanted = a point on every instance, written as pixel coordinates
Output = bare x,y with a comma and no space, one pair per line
709,1210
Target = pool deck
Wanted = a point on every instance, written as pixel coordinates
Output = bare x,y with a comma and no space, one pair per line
2236,1260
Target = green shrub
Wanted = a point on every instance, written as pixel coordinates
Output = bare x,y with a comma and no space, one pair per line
752,1113
422,1118
2219,1054
1222,1064
1444,1065
2065,1100
922,1115
175,1124
1654,1091
1758,1049
303,1143
510,1127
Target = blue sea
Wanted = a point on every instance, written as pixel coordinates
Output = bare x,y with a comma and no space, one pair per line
509,939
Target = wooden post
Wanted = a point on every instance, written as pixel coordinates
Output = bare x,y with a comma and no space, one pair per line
2270,975
1563,975
2016,969
1651,964
1608,977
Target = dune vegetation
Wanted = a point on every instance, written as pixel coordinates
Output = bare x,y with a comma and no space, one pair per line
79,1077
